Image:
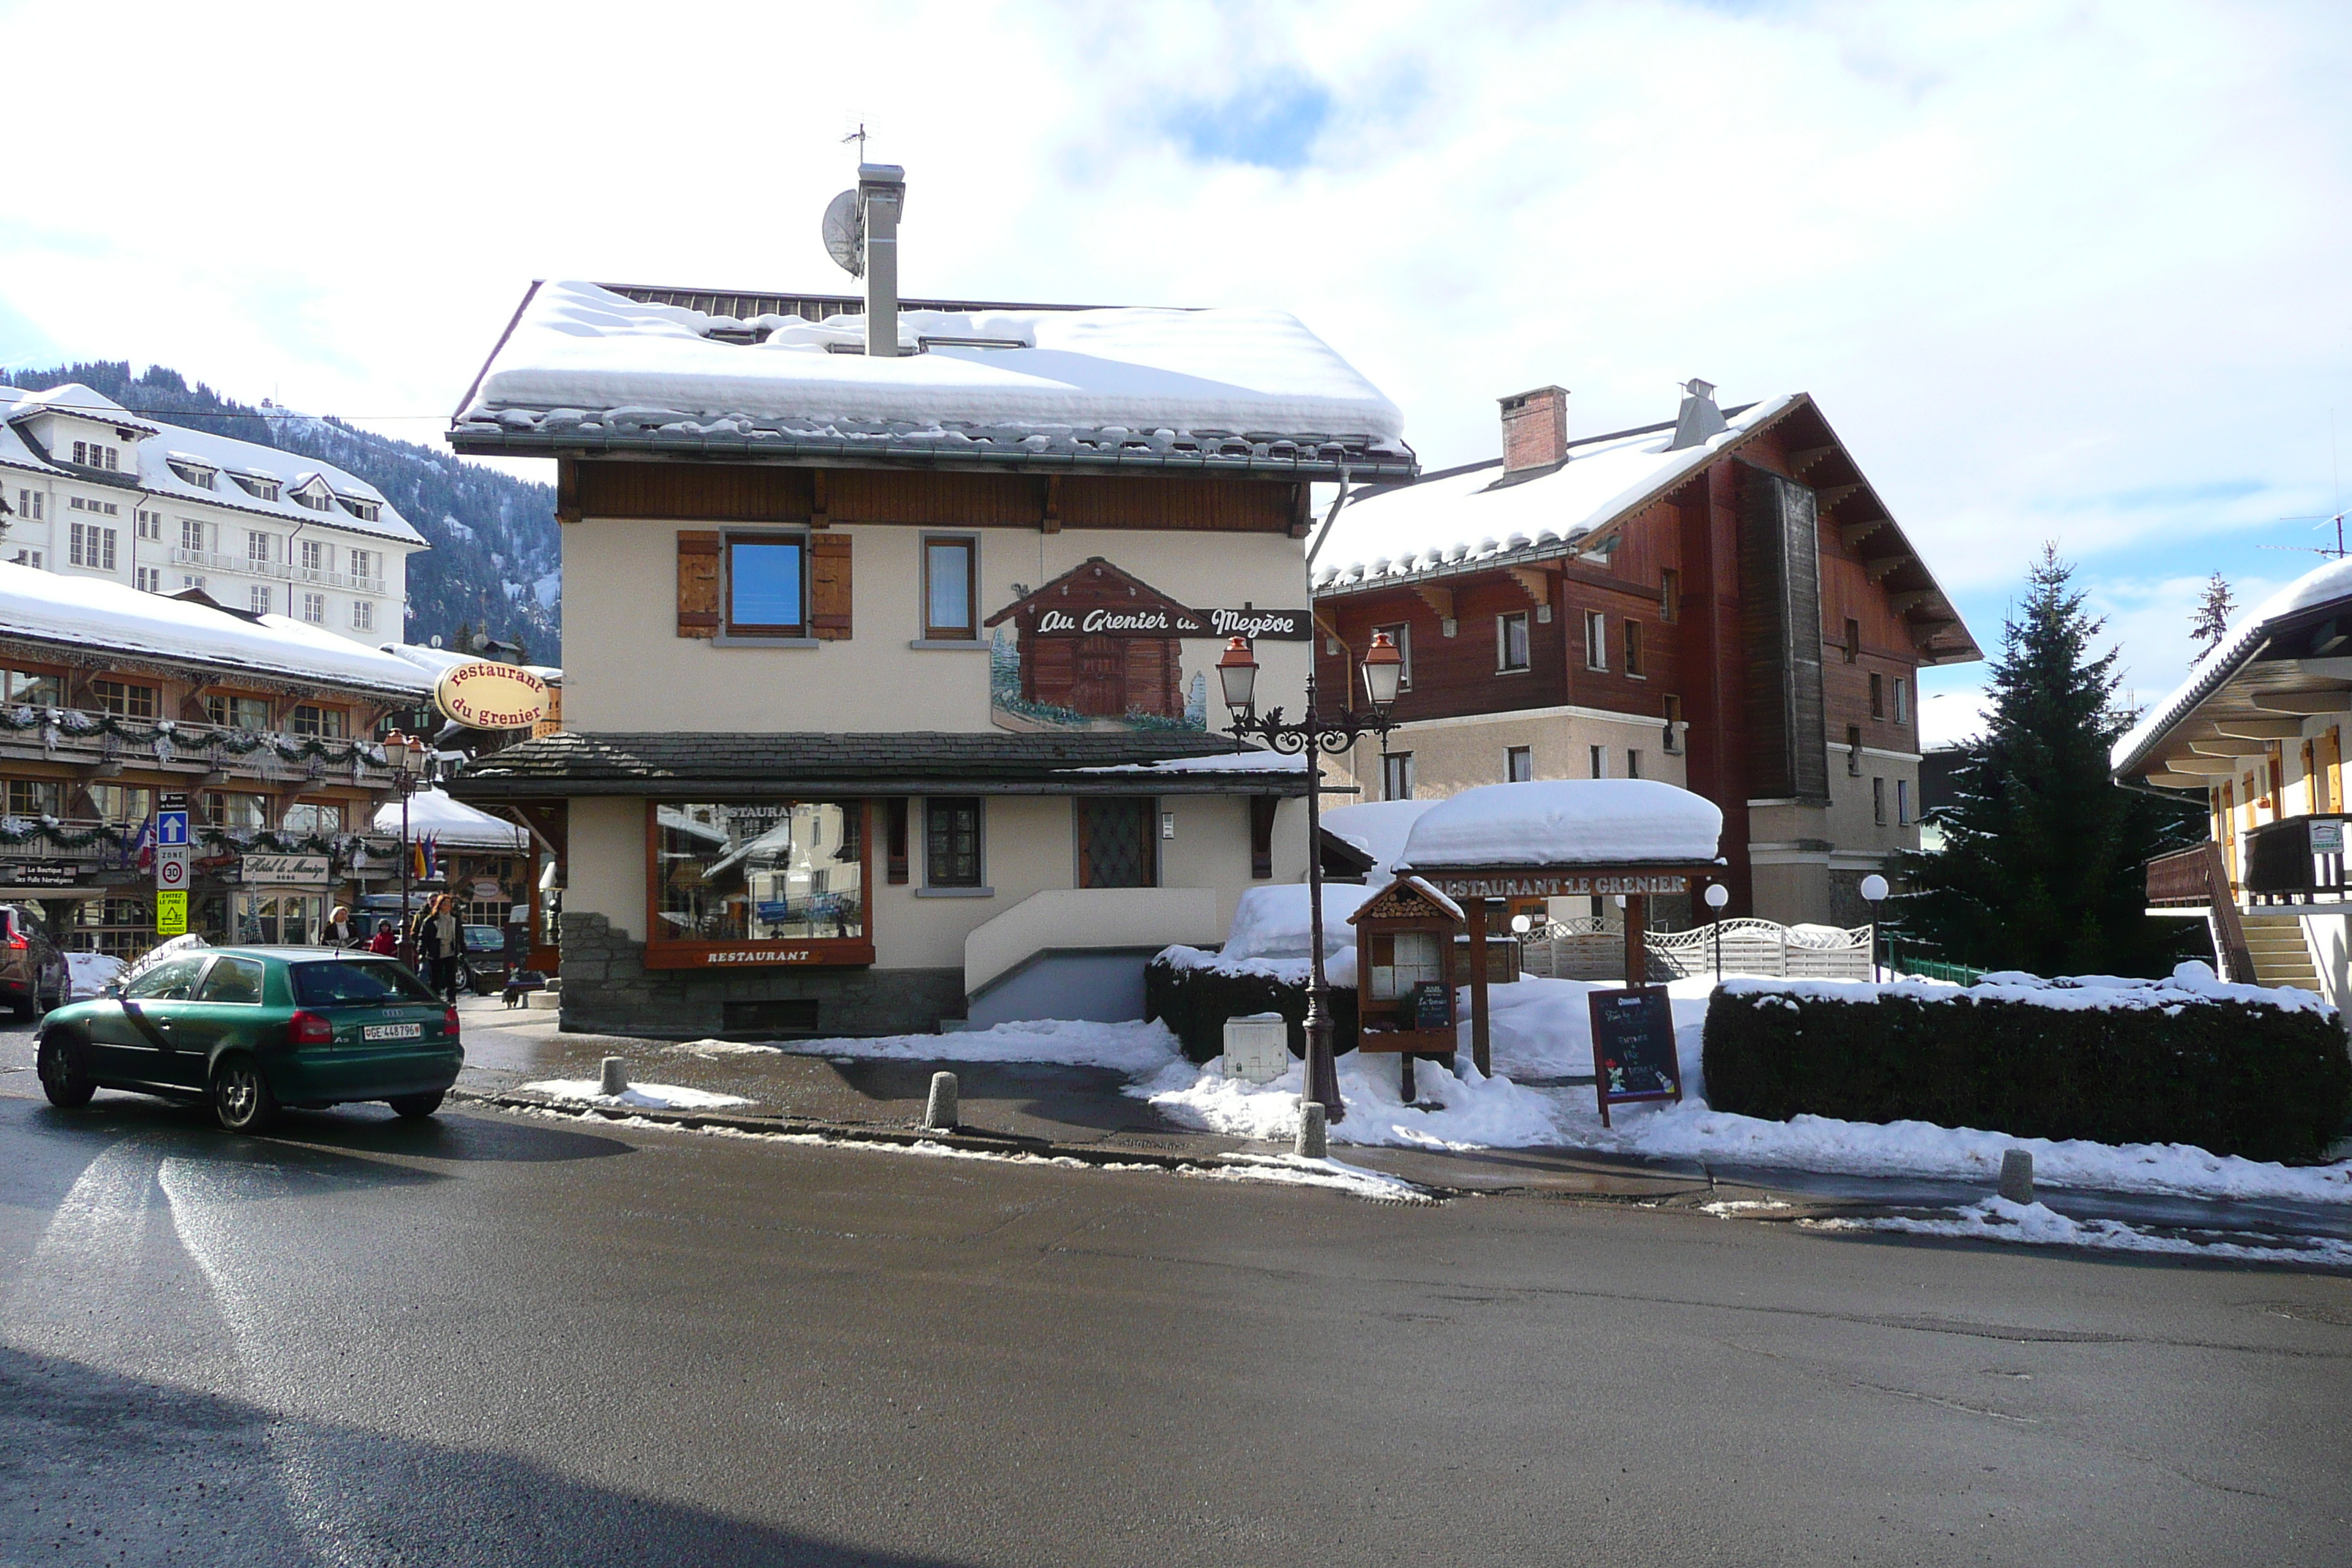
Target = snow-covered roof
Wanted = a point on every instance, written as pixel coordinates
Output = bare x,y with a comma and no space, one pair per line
1235,389
93,612
1377,828
1565,822
1466,514
1272,921
1249,762
183,445
2327,584
439,661
452,824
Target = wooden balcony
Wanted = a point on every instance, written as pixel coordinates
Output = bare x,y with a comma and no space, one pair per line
2297,860
2195,878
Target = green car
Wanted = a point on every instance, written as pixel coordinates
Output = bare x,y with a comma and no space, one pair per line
251,1029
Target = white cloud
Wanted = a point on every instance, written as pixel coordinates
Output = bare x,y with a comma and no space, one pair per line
2055,270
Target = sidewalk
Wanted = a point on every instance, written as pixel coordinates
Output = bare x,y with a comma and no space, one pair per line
1081,1111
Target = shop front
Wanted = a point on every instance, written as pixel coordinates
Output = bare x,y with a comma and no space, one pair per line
280,899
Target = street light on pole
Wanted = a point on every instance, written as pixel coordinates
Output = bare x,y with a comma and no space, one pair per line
405,755
1313,735
1717,896
1874,890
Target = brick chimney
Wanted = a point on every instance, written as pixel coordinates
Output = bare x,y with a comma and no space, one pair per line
1535,429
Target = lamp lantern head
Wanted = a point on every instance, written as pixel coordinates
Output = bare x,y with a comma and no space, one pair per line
1237,673
1384,672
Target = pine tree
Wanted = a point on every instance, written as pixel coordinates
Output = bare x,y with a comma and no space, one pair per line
2209,623
2042,851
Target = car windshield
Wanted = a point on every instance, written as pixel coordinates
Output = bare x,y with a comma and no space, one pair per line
357,983
485,939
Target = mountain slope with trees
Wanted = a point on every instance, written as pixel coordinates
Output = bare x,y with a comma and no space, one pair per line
494,564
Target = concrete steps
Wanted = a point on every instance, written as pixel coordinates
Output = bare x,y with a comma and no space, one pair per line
2280,955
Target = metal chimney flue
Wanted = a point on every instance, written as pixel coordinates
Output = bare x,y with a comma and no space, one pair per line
881,197
1698,420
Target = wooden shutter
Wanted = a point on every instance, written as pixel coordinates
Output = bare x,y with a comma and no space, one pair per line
698,584
829,587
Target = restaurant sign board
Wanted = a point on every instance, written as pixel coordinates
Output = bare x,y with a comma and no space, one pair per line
487,695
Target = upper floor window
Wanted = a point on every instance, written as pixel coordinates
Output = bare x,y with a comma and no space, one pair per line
1396,776
1400,634
232,712
1518,764
1902,701
309,719
193,474
1596,640
362,614
1599,761
1670,592
314,555
260,599
32,687
151,523
1673,724
1853,751
314,608
314,495
950,611
365,510
1633,649
1877,695
31,505
1902,803
313,816
1511,641
122,700
192,534
98,454
767,584
258,547
225,808
1633,763
35,797
1853,640
1878,801
93,546
122,802
363,563
260,487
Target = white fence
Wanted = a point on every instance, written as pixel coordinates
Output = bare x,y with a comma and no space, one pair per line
1586,950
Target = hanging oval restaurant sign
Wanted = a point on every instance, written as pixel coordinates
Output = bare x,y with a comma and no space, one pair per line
486,695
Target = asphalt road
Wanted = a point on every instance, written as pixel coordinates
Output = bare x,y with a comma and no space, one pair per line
504,1339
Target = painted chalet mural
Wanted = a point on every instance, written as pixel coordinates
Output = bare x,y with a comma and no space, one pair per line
1097,648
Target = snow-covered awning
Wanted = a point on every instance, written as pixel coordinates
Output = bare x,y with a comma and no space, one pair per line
1565,823
1248,390
452,824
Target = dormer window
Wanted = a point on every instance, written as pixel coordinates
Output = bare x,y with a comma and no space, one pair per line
98,454
260,487
190,472
314,494
365,510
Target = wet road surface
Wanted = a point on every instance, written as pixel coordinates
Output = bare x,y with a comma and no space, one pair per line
503,1339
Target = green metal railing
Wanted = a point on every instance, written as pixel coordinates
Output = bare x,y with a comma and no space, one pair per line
1919,966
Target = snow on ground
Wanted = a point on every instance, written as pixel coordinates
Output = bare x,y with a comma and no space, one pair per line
1998,1219
1128,1047
1541,1029
91,971
637,1096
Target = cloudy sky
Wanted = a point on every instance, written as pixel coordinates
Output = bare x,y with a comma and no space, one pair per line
2056,271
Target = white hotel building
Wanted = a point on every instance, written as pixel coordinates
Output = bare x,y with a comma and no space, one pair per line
89,490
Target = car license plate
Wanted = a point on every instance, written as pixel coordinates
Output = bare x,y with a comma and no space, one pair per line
391,1032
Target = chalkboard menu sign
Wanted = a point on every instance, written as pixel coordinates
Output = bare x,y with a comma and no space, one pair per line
1432,1004
1634,1047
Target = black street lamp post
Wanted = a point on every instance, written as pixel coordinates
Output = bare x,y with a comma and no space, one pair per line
406,757
1313,735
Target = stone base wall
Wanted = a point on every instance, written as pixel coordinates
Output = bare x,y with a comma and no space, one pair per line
608,990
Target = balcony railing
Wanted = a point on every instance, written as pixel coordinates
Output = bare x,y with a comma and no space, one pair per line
343,580
2196,878
2296,859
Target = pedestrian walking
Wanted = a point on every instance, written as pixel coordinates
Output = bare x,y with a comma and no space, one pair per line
447,939
338,931
386,940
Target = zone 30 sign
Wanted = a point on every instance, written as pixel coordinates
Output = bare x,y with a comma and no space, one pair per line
486,695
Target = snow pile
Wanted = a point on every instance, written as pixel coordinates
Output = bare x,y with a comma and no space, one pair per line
1442,520
1379,828
578,352
1127,1047
2190,984
91,972
452,822
1566,822
1275,922
1336,1176
1543,1028
95,613
1451,1113
1998,1219
636,1097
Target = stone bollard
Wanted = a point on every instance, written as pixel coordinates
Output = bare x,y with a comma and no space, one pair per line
1312,1142
940,1113
2017,1175
615,1077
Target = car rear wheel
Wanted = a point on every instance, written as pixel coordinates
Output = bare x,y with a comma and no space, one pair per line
415,1106
64,1077
241,1097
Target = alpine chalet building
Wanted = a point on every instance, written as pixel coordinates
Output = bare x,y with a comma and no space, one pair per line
1720,601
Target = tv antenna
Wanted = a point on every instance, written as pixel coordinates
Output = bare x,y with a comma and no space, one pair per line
857,136
845,219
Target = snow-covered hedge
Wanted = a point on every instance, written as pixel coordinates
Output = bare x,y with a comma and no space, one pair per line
2236,1069
1193,993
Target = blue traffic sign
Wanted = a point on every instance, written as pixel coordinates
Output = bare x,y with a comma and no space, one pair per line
171,827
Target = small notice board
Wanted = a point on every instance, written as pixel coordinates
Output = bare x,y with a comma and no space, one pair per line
1634,1047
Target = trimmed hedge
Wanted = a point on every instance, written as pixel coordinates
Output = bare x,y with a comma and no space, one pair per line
2233,1076
1195,1001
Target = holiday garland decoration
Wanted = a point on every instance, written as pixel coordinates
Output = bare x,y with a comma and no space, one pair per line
161,735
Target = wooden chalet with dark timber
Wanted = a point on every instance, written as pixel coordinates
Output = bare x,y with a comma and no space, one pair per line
1721,602
887,676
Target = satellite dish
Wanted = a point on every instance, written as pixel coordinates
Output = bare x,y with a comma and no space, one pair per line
844,234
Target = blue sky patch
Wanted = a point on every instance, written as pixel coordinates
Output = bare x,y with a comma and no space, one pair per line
1271,124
